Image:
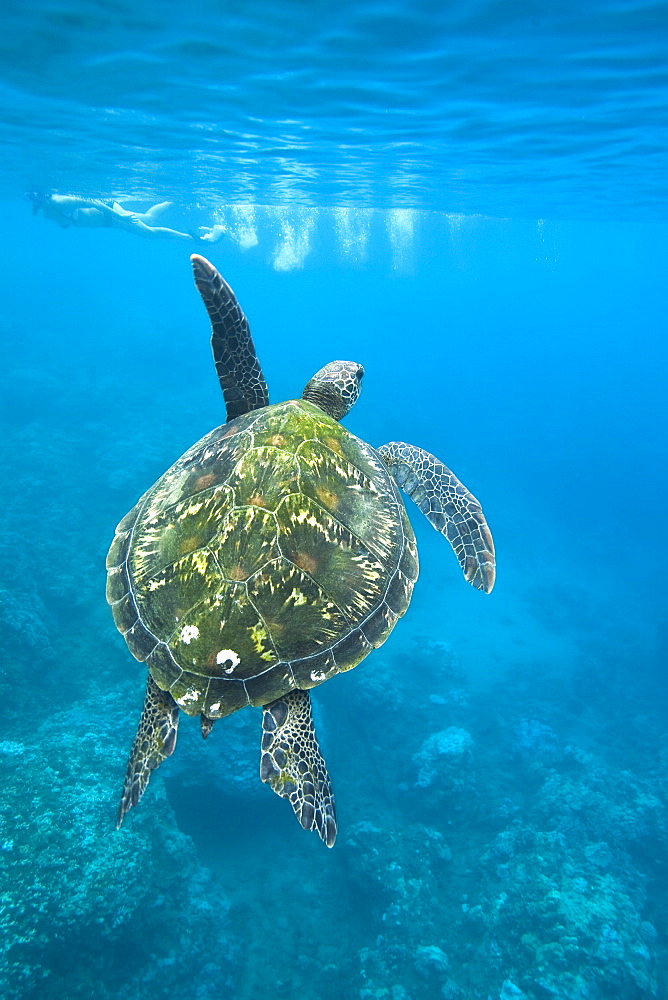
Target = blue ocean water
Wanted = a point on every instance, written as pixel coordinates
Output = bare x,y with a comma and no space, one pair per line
469,199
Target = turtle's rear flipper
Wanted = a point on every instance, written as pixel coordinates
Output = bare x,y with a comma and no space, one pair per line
155,740
449,507
293,765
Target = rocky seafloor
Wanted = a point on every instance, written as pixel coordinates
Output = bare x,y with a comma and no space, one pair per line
508,841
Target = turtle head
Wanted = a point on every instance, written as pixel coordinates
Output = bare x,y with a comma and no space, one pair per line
335,388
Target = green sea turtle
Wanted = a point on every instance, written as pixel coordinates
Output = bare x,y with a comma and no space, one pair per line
273,555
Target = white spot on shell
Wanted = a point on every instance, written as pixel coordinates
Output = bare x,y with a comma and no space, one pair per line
215,707
317,676
190,695
230,657
188,633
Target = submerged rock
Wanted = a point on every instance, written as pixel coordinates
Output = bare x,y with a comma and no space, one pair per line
439,751
430,959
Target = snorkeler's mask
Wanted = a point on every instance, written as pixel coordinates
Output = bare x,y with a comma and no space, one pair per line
37,198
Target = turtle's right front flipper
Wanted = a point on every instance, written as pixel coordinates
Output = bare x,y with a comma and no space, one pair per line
155,741
238,368
293,765
448,506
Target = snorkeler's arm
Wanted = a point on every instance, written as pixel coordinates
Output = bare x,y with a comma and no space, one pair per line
67,201
79,211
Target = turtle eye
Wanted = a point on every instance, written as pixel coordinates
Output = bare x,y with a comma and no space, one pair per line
360,372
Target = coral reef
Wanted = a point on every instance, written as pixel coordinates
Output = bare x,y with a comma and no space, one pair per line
561,926
88,912
537,893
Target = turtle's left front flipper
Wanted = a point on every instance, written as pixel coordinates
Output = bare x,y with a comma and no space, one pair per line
293,765
236,361
449,507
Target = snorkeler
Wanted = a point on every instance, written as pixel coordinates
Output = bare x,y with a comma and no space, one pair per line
69,210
